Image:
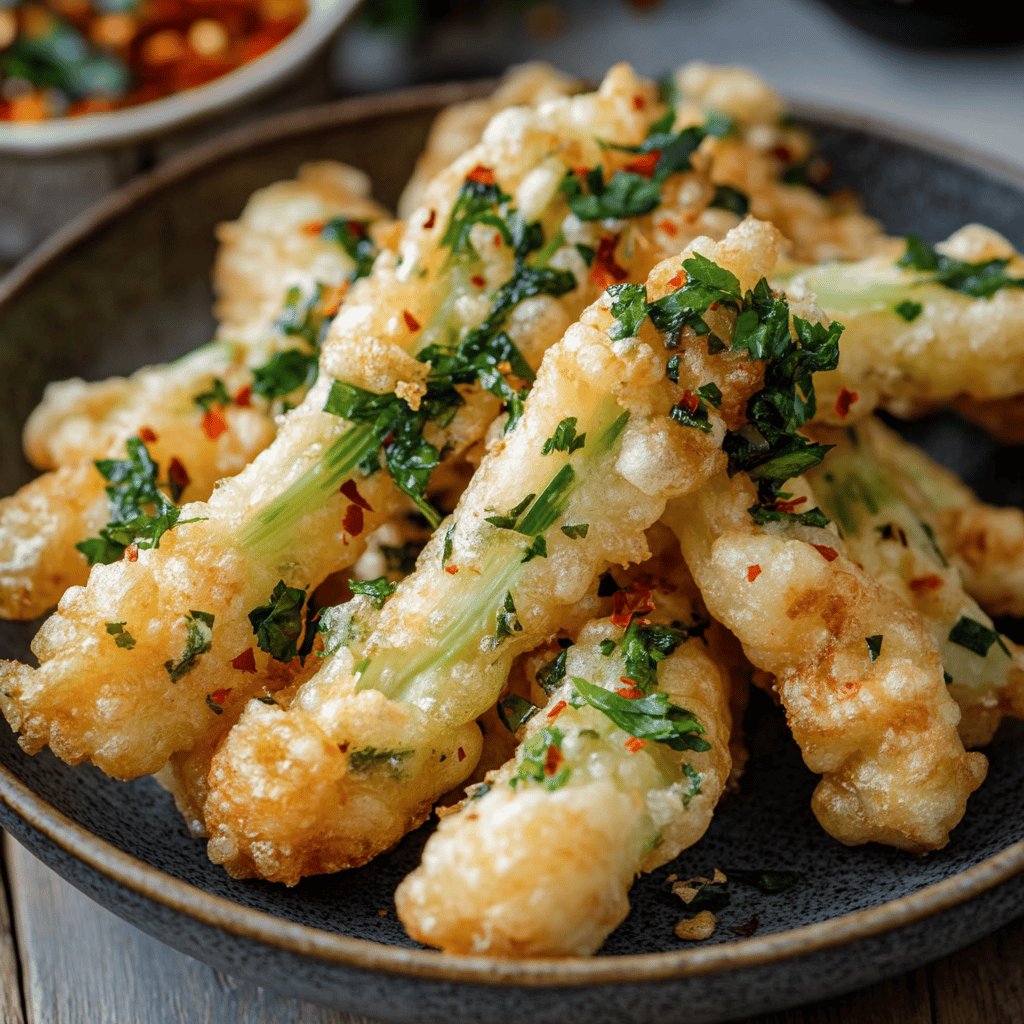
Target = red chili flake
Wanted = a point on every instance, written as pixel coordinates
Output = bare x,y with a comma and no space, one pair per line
243,396
498,239
314,227
678,281
829,554
783,153
788,506
630,692
481,175
557,709
478,280
461,754
689,401
178,475
639,102
668,227
581,172
849,689
410,321
924,583
753,571
220,696
131,553
351,491
452,570
147,434
606,270
245,662
627,603
844,400
634,743
352,523
214,424
356,227
431,220
552,760
645,164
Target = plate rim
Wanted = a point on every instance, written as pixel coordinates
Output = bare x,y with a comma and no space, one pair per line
219,912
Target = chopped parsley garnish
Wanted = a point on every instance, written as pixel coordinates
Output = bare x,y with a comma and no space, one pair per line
643,647
587,252
908,310
198,640
769,882
506,621
732,199
574,531
695,780
353,237
874,645
653,717
478,202
216,394
565,438
550,675
710,393
713,896
213,705
537,548
540,760
121,636
285,372
697,417
377,590
446,546
762,514
629,307
514,711
976,637
607,648
629,193
302,315
979,280
360,762
278,624
140,513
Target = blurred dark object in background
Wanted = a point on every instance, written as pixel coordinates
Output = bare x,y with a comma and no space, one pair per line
932,23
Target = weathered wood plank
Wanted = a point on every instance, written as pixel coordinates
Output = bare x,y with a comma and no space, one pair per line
83,965
10,981
900,1001
984,983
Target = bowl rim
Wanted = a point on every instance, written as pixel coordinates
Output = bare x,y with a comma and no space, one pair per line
150,883
131,124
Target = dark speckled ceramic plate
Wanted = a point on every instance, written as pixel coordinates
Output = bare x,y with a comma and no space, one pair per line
130,284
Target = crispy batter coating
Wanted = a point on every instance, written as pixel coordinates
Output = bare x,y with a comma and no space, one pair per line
882,733
757,155
439,652
544,868
956,344
460,126
890,529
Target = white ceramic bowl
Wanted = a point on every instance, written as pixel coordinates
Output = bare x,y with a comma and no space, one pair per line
130,124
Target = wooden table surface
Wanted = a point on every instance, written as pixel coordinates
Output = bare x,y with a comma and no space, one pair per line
65,960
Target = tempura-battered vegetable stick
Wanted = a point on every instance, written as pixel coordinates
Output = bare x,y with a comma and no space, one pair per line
618,772
411,353
857,670
460,126
767,165
288,245
985,542
924,326
198,415
612,429
888,530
